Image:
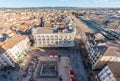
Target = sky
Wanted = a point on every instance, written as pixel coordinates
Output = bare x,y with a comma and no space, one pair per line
60,3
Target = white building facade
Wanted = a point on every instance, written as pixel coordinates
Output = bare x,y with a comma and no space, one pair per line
106,75
15,52
5,60
50,39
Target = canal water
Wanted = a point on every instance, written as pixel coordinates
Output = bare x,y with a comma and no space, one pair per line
91,26
95,30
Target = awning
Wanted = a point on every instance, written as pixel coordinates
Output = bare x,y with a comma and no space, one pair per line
53,55
71,72
72,79
50,55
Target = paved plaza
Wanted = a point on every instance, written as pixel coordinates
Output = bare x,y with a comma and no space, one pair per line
74,58
70,60
50,69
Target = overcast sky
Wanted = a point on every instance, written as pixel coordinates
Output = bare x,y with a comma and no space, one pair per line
60,3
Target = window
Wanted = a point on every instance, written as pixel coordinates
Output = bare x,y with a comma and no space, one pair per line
56,42
43,38
39,39
38,36
60,38
5,61
51,38
68,41
47,37
56,38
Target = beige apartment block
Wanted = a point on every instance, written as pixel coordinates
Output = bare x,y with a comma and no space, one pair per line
107,53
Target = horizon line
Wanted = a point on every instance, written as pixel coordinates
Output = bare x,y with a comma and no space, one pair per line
59,7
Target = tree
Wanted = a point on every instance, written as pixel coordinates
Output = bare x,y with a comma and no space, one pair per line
31,79
60,78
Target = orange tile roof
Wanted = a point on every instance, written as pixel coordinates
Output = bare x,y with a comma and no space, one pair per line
22,28
10,42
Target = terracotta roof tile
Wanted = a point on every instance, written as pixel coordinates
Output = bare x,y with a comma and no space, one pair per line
10,42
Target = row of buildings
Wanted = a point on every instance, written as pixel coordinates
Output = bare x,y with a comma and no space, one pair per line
23,19
104,57
13,45
109,18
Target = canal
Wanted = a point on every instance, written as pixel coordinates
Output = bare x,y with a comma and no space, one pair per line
91,26
98,30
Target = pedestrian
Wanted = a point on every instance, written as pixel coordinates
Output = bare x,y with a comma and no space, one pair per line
77,65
